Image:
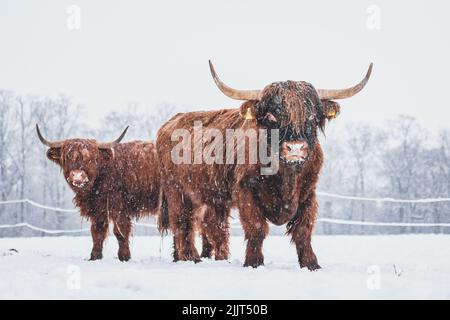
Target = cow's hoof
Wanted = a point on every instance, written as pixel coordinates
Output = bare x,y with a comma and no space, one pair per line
207,251
191,255
221,254
95,255
207,254
124,258
187,257
254,263
196,260
312,266
220,258
124,254
175,256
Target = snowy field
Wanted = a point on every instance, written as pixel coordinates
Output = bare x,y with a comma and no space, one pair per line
360,267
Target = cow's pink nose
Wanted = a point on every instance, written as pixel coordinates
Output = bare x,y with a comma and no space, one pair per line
294,151
78,178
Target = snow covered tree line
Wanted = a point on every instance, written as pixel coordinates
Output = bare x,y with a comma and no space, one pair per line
398,160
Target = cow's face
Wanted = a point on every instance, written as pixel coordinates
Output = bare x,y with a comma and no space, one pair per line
80,160
295,109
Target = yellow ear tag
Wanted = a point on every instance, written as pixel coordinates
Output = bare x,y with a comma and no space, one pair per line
248,114
332,113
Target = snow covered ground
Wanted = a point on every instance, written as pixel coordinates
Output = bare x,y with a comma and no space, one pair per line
361,267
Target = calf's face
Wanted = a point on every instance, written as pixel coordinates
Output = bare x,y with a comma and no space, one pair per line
81,161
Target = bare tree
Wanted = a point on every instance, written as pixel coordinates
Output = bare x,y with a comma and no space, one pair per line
7,166
332,177
24,120
363,144
402,162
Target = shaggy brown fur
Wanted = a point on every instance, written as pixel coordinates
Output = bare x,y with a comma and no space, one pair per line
285,197
122,184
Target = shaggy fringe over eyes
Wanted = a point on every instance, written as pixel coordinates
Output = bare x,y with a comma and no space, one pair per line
299,101
82,151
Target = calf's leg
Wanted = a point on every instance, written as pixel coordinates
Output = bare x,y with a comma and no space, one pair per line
99,231
122,231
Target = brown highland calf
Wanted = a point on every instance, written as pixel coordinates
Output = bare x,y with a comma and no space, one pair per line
111,181
206,192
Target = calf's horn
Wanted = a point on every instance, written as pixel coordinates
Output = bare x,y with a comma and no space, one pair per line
109,145
50,144
334,94
234,93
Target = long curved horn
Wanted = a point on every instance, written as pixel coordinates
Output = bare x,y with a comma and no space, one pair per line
325,94
50,144
109,145
233,93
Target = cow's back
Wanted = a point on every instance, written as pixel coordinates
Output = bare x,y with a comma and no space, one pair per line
202,182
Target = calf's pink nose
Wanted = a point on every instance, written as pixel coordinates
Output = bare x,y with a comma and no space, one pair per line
78,177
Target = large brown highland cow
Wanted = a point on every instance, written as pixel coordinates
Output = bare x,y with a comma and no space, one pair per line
206,192
111,181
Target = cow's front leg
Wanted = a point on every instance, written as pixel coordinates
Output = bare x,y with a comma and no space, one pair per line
122,231
301,230
99,231
255,229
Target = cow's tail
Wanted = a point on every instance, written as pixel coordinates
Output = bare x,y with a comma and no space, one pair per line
163,219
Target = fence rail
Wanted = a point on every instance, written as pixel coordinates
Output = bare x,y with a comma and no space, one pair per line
339,196
320,193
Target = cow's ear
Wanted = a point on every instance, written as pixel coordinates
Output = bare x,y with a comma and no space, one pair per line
54,154
106,153
248,110
331,109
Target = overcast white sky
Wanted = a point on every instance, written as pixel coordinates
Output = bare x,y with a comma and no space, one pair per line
150,52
